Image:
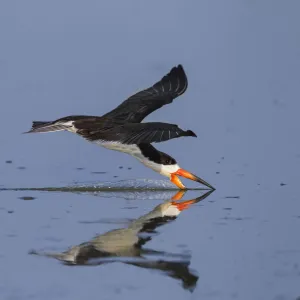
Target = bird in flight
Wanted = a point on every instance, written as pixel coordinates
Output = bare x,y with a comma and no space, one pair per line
121,129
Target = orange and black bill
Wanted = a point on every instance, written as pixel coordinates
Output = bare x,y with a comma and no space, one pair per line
174,178
187,175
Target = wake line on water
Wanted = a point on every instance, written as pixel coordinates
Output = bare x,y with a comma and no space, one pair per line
130,185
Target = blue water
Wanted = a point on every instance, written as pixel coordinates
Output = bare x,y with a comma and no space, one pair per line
73,57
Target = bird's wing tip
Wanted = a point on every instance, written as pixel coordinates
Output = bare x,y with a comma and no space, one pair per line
191,133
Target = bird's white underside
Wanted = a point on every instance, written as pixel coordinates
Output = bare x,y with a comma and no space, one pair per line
133,150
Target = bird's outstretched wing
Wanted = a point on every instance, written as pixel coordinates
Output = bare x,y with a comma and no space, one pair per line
132,133
141,104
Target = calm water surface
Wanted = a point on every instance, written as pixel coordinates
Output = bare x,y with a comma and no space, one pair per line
73,57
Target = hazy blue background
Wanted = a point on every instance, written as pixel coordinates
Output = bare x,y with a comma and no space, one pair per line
242,60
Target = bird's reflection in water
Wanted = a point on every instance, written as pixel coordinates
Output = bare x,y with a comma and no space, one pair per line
126,245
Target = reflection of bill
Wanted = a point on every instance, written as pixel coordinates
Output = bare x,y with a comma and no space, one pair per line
126,244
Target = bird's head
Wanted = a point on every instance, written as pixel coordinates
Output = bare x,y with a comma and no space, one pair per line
171,169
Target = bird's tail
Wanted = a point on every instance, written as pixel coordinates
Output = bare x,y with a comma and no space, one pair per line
42,126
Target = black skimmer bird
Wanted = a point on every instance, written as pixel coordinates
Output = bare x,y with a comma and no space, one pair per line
121,129
129,242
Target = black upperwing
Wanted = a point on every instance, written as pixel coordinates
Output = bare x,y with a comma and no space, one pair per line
132,133
141,104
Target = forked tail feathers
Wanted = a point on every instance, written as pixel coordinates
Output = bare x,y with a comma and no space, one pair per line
42,126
